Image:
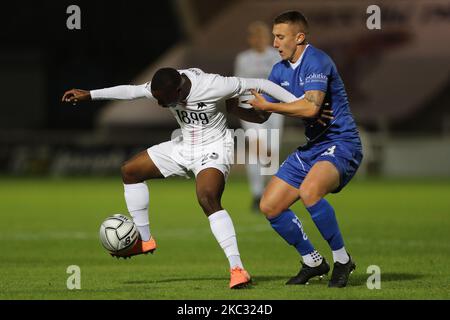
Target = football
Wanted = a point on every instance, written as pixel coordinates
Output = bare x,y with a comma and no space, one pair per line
118,233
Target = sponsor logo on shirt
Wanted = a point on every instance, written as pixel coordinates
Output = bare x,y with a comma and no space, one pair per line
285,84
316,77
301,81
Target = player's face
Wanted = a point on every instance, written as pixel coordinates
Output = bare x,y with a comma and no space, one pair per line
168,98
286,39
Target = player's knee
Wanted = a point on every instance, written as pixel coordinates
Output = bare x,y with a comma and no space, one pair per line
129,174
310,194
209,201
269,209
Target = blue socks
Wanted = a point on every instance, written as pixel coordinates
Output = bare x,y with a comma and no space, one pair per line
323,216
290,229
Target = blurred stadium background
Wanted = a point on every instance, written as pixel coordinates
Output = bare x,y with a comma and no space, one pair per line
397,78
398,83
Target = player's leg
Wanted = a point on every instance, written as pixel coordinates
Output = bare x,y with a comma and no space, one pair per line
278,197
322,179
140,168
210,183
134,174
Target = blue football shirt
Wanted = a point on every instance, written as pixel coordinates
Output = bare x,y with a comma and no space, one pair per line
316,71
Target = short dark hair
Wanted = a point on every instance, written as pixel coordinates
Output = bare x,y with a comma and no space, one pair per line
166,79
293,17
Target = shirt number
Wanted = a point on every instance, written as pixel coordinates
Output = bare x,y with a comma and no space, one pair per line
192,117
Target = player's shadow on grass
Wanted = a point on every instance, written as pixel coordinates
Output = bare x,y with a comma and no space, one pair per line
356,279
175,280
255,280
281,278
360,279
398,276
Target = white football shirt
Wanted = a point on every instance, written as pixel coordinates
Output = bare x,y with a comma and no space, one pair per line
200,120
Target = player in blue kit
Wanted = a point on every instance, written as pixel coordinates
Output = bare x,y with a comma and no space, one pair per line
328,160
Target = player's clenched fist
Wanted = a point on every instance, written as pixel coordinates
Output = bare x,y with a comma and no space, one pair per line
76,95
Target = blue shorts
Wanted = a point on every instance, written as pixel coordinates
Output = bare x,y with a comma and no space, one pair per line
345,155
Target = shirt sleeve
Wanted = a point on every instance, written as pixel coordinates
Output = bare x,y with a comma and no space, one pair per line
273,76
267,87
219,87
126,92
317,74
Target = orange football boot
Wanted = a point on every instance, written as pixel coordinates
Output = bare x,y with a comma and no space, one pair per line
140,247
239,278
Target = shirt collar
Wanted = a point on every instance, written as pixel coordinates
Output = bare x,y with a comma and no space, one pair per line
297,63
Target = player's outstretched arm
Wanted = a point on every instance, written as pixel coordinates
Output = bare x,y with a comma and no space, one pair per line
268,87
250,115
125,92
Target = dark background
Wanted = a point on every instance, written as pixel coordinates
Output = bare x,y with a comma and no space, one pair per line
41,58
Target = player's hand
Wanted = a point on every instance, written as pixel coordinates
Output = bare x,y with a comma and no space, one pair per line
75,95
258,103
325,115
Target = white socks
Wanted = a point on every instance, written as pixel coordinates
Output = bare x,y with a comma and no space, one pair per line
223,229
341,256
312,259
137,199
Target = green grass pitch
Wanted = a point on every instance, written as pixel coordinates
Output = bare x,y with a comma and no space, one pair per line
49,224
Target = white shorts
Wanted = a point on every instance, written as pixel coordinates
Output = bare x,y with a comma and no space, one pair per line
176,158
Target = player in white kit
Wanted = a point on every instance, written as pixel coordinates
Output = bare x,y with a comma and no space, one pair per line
257,62
205,147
